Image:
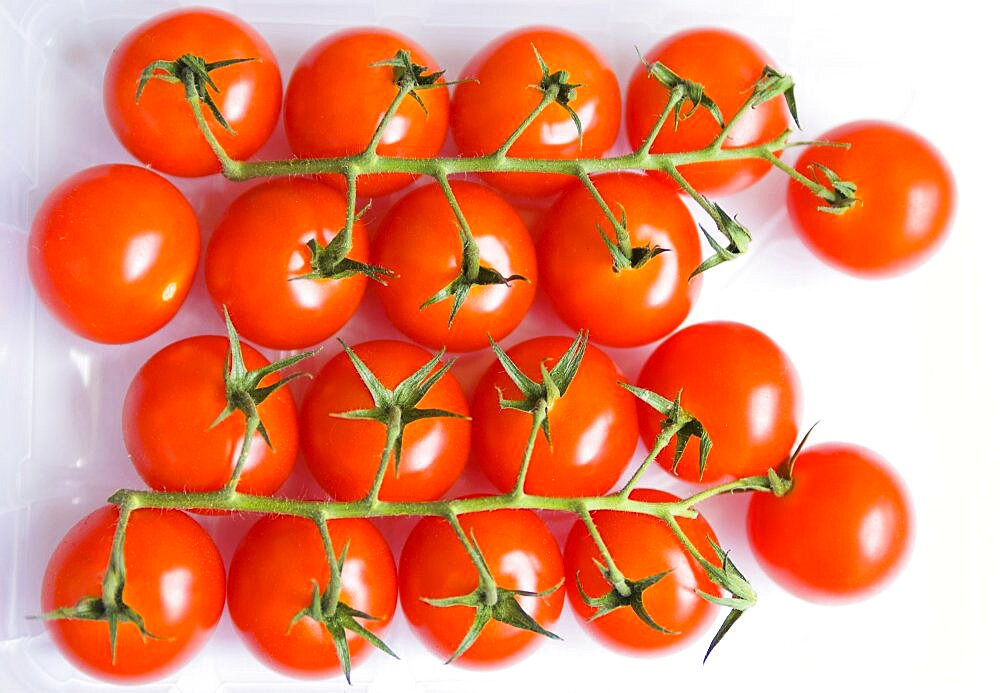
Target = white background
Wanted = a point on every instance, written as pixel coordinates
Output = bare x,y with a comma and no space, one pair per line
905,366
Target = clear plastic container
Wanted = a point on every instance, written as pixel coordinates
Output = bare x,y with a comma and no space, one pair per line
887,364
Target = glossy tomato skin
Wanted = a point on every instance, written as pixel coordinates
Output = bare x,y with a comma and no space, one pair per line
739,384
271,580
167,422
343,455
113,251
593,426
258,249
633,306
160,130
175,580
841,532
727,65
337,71
419,241
643,546
485,112
520,554
906,193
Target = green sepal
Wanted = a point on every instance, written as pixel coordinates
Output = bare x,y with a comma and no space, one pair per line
565,92
772,83
414,77
94,609
781,479
677,423
243,389
729,578
330,261
845,191
613,599
623,255
738,236
685,91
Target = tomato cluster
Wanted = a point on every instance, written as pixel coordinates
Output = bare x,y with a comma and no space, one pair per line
113,254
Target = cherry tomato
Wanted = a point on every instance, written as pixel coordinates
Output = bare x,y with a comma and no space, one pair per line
168,414
336,99
643,546
344,454
739,384
258,249
485,112
727,65
906,200
160,129
841,532
113,251
419,240
175,581
272,577
631,306
593,426
520,553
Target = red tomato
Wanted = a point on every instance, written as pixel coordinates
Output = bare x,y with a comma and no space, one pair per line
593,426
113,251
344,454
160,129
419,241
906,200
170,406
841,532
487,111
629,307
260,246
727,65
742,388
520,553
320,123
175,580
643,546
271,580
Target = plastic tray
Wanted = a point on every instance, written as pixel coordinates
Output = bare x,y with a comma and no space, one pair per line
900,366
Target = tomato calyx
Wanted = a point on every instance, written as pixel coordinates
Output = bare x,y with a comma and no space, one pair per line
771,84
330,261
623,255
615,599
682,92
843,193
397,408
557,88
738,236
780,480
677,423
195,74
411,77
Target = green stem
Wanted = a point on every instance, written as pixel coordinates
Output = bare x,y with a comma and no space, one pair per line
616,223
548,96
749,483
675,98
331,595
537,418
251,427
662,441
615,575
486,580
404,89
720,139
449,194
230,167
817,189
114,576
702,201
393,431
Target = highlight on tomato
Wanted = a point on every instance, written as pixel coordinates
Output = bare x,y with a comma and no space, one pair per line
337,96
280,600
171,428
422,243
276,260
842,529
627,285
158,127
643,547
742,388
112,252
175,581
727,65
487,111
905,199
520,554
343,454
593,424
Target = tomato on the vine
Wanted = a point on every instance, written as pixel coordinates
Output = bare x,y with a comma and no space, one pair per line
520,554
593,426
620,306
643,546
344,454
113,251
336,98
726,65
841,531
906,198
259,252
272,576
739,384
159,129
419,240
488,109
175,580
167,422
